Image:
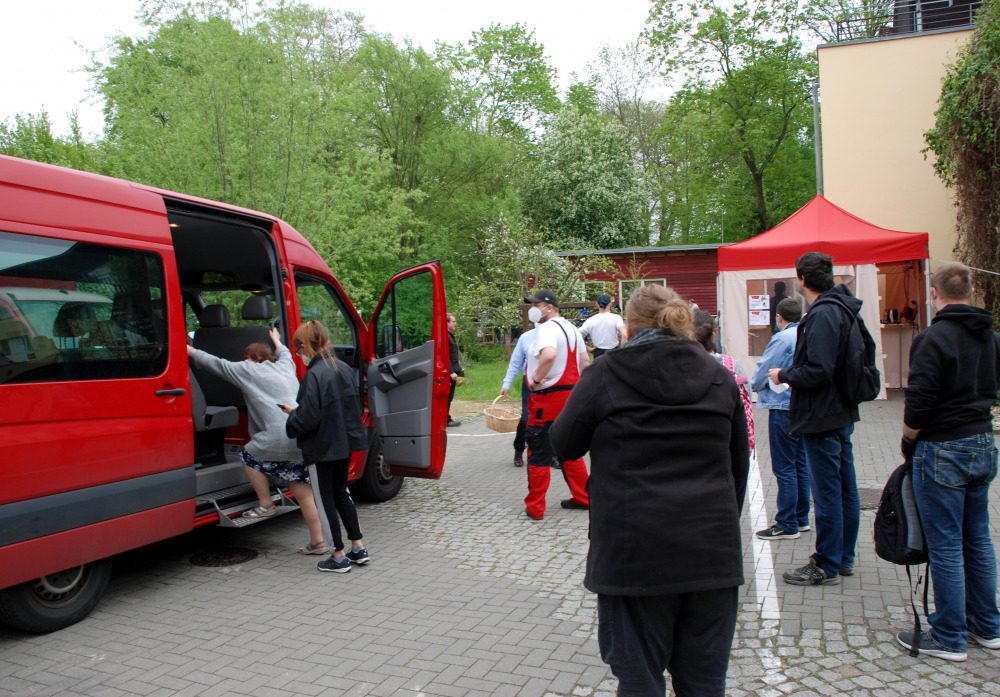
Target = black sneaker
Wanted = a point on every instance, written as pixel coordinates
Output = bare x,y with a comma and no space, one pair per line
452,422
810,575
359,556
776,533
929,646
518,459
338,565
847,570
572,503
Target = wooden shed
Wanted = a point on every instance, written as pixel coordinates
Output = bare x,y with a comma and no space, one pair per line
691,270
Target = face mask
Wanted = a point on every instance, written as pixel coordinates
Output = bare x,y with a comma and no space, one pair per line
305,360
535,315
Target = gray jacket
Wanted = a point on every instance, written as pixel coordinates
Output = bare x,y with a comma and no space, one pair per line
264,386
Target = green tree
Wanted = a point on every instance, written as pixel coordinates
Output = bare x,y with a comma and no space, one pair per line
249,104
585,188
507,80
966,142
30,137
745,70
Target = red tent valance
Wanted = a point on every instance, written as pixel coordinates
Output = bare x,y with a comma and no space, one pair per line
820,226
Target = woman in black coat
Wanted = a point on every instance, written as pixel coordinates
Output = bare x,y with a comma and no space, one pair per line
327,425
667,436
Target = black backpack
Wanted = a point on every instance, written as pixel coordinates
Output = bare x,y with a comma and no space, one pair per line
899,536
858,380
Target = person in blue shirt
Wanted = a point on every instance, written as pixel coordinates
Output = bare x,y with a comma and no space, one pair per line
788,454
518,360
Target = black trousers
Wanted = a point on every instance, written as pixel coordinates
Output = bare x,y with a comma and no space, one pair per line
333,499
519,439
451,396
687,634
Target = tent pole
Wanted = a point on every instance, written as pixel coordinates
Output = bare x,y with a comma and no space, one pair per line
927,293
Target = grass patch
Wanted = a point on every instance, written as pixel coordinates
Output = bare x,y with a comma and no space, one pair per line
484,380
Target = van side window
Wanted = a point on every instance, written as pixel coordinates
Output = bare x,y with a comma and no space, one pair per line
321,302
79,311
404,320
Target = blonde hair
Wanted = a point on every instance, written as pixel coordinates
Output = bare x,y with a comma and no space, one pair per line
654,307
311,339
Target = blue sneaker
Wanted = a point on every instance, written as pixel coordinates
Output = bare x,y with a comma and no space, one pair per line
338,565
359,556
929,646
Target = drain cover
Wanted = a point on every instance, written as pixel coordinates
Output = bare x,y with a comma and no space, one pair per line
228,556
869,497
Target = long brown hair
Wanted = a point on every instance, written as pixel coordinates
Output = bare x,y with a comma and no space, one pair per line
654,307
311,339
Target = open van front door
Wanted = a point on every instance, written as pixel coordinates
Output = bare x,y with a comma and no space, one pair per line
409,375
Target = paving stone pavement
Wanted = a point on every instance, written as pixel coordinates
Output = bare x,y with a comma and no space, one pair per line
467,596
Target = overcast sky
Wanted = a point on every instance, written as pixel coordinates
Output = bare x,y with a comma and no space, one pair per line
41,55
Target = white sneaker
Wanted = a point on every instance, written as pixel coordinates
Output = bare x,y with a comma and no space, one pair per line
993,643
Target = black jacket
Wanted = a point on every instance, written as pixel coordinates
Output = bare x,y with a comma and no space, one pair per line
456,367
954,369
816,404
669,455
327,423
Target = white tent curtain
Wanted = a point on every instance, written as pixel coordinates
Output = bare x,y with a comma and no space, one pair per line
734,317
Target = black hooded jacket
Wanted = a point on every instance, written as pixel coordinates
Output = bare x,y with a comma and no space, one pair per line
816,404
327,423
954,369
669,457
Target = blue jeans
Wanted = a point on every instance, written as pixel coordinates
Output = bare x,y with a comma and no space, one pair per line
788,462
951,481
834,485
519,439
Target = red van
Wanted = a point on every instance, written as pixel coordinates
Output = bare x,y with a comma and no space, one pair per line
110,440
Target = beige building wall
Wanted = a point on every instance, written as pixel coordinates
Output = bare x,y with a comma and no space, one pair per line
877,99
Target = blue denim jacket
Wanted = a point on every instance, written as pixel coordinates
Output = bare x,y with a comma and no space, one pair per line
778,354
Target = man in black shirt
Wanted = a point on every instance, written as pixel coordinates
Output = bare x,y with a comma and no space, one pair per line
456,368
947,431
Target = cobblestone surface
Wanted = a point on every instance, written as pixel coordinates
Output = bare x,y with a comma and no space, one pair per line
467,596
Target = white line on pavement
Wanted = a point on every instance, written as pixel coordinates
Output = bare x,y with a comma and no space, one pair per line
763,561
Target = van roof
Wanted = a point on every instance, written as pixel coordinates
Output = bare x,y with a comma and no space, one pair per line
138,211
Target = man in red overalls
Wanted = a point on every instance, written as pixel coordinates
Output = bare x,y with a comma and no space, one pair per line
555,360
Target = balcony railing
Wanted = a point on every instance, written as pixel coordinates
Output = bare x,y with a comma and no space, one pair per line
907,17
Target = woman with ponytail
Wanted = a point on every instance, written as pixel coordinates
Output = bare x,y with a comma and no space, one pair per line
667,436
327,425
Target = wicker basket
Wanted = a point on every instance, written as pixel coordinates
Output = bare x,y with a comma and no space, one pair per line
502,419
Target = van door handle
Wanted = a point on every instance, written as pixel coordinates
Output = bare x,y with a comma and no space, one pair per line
176,392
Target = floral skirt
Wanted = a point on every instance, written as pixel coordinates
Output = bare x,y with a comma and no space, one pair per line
287,471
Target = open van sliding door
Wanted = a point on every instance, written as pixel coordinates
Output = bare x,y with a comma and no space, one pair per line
409,376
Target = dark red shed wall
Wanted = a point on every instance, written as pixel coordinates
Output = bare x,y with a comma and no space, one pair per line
692,274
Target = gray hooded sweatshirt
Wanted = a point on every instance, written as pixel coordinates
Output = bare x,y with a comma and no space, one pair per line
264,386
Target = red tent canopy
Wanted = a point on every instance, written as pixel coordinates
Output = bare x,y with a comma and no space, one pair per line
820,226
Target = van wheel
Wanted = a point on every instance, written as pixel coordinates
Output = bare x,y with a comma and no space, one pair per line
55,601
377,484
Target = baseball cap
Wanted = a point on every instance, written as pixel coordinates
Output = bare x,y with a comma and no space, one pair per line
543,296
603,299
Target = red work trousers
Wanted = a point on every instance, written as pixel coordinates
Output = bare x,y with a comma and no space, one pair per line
542,411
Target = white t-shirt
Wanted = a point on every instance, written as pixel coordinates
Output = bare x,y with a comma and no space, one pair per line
552,333
603,329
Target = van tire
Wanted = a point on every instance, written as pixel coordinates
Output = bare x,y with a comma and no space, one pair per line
376,484
55,601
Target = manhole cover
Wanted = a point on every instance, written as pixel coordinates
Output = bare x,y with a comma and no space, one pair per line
229,556
869,497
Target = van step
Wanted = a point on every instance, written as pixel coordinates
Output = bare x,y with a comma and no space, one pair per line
282,504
